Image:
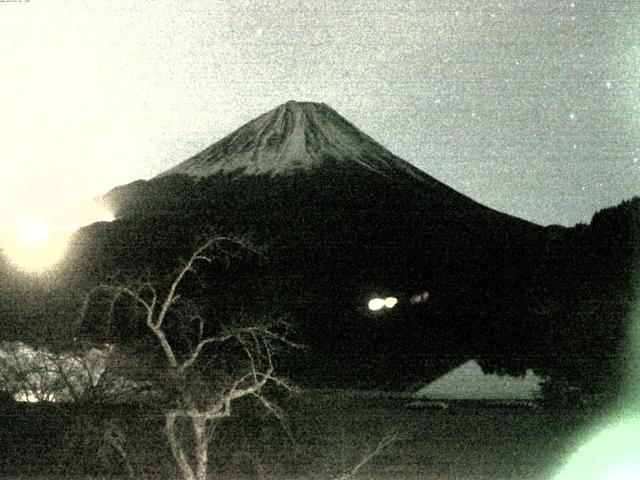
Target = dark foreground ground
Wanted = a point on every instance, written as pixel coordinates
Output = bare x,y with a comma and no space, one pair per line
326,434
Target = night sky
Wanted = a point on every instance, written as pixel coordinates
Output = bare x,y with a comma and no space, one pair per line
530,107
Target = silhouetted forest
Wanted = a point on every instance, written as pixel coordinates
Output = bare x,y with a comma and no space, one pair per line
509,293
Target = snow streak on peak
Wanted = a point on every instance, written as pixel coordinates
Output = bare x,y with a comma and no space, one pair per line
294,137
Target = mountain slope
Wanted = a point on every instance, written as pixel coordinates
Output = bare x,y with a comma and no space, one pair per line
291,138
297,142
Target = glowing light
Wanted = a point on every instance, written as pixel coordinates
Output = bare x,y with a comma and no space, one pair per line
419,297
376,304
33,230
29,397
613,454
36,256
35,245
390,302
81,215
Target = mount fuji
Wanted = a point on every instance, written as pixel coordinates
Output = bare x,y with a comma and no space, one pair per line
294,143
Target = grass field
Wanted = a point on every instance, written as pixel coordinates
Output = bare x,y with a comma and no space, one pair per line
465,441
329,433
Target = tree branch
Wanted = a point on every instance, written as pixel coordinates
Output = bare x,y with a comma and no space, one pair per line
171,297
198,350
382,444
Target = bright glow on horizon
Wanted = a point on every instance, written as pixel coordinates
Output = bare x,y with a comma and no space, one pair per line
33,230
36,245
38,256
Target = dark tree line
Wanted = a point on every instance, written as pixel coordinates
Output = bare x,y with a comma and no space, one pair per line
581,300
511,294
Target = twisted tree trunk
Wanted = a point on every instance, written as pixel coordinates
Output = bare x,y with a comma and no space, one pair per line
176,448
202,446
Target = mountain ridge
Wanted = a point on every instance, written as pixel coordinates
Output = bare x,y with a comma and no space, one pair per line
294,143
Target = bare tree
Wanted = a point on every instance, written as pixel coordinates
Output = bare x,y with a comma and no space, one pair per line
37,374
186,394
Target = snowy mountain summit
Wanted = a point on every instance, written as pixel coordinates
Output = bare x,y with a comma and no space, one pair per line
294,137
